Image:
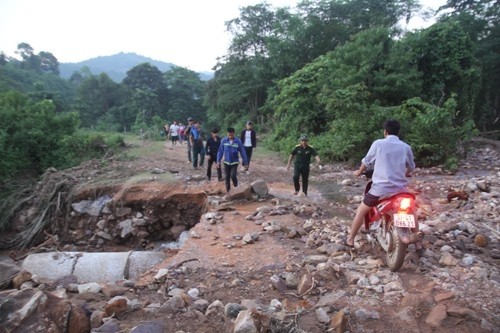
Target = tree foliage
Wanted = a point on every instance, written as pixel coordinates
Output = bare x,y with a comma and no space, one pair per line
480,20
269,45
43,61
97,95
185,95
344,97
32,134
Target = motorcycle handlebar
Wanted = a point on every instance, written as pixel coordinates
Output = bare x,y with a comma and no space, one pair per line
368,173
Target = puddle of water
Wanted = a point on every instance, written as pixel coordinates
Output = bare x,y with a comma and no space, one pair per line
331,191
334,192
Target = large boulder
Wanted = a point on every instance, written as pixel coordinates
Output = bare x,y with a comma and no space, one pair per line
260,188
240,192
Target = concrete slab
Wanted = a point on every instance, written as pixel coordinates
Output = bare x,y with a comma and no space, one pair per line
51,265
140,262
101,266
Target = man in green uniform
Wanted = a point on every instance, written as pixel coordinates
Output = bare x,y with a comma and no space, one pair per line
302,154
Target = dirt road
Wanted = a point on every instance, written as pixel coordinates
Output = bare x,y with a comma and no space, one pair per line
280,254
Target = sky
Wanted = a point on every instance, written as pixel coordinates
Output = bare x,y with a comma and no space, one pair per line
187,33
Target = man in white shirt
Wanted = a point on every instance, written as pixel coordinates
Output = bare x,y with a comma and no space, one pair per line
249,140
392,161
174,133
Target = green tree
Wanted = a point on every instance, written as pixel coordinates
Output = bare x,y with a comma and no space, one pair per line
32,135
144,104
146,77
481,21
447,61
344,97
97,95
147,92
48,63
185,95
39,85
269,45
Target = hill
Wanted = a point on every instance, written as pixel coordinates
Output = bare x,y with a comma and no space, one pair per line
117,65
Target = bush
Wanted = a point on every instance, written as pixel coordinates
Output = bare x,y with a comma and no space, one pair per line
33,138
31,134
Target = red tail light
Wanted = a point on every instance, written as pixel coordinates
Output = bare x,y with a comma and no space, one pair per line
403,203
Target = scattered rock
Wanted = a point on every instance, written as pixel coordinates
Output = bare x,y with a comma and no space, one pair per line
338,322
260,188
20,278
306,283
33,310
480,240
436,315
443,296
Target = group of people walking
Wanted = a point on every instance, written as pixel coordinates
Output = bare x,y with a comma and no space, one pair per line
175,132
223,153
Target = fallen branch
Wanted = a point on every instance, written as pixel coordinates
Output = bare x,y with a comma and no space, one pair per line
496,233
51,243
182,263
25,238
495,143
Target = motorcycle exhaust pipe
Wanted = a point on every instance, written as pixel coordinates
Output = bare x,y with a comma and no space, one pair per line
415,237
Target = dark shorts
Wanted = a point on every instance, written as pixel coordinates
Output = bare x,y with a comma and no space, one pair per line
174,138
370,200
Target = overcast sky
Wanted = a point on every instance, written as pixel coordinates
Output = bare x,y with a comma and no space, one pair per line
188,33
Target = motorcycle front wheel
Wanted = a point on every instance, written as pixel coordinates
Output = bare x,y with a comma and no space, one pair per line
395,256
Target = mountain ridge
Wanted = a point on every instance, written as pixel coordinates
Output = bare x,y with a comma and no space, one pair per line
117,65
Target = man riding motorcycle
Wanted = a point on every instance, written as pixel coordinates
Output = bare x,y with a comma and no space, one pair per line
392,161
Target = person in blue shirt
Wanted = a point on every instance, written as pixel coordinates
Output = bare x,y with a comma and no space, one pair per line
229,151
392,161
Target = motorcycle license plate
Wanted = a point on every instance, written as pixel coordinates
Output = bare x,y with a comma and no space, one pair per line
404,220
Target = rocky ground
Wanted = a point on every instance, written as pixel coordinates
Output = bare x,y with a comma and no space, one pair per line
264,263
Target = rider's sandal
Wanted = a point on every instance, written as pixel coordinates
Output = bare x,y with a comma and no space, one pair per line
343,241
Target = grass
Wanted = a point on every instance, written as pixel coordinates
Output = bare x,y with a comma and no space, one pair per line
143,148
262,151
148,176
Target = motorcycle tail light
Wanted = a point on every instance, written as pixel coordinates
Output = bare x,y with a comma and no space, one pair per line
403,204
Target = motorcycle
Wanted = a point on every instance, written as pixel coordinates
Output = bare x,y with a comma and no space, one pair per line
391,222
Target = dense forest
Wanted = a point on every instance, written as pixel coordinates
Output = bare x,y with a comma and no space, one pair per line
333,69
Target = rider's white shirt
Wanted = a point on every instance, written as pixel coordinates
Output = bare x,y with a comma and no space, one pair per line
389,157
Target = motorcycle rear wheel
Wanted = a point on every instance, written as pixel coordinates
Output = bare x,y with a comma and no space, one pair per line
397,252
